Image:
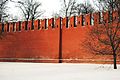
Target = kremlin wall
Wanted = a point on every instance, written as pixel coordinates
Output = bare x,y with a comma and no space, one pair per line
50,40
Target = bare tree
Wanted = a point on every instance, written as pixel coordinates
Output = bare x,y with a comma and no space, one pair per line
68,8
3,8
3,15
107,5
84,8
72,7
104,39
30,9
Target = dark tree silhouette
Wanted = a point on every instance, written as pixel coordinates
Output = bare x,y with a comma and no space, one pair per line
104,38
84,8
72,7
68,8
3,8
30,9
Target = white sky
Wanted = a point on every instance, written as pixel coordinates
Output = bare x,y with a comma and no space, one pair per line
48,6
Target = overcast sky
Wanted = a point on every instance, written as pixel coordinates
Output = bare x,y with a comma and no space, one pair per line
49,6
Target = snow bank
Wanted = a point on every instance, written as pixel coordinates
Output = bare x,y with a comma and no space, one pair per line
64,71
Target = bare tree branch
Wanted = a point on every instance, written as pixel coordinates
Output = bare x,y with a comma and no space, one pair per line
67,9
106,36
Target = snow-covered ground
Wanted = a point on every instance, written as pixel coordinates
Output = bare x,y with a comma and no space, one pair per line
64,71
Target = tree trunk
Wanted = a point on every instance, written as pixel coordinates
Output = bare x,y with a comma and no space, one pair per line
114,56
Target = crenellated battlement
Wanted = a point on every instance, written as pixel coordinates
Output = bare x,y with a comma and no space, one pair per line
87,20
50,39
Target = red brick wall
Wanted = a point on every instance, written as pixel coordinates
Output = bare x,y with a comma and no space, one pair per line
43,43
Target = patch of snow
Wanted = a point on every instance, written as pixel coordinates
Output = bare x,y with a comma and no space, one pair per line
56,71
